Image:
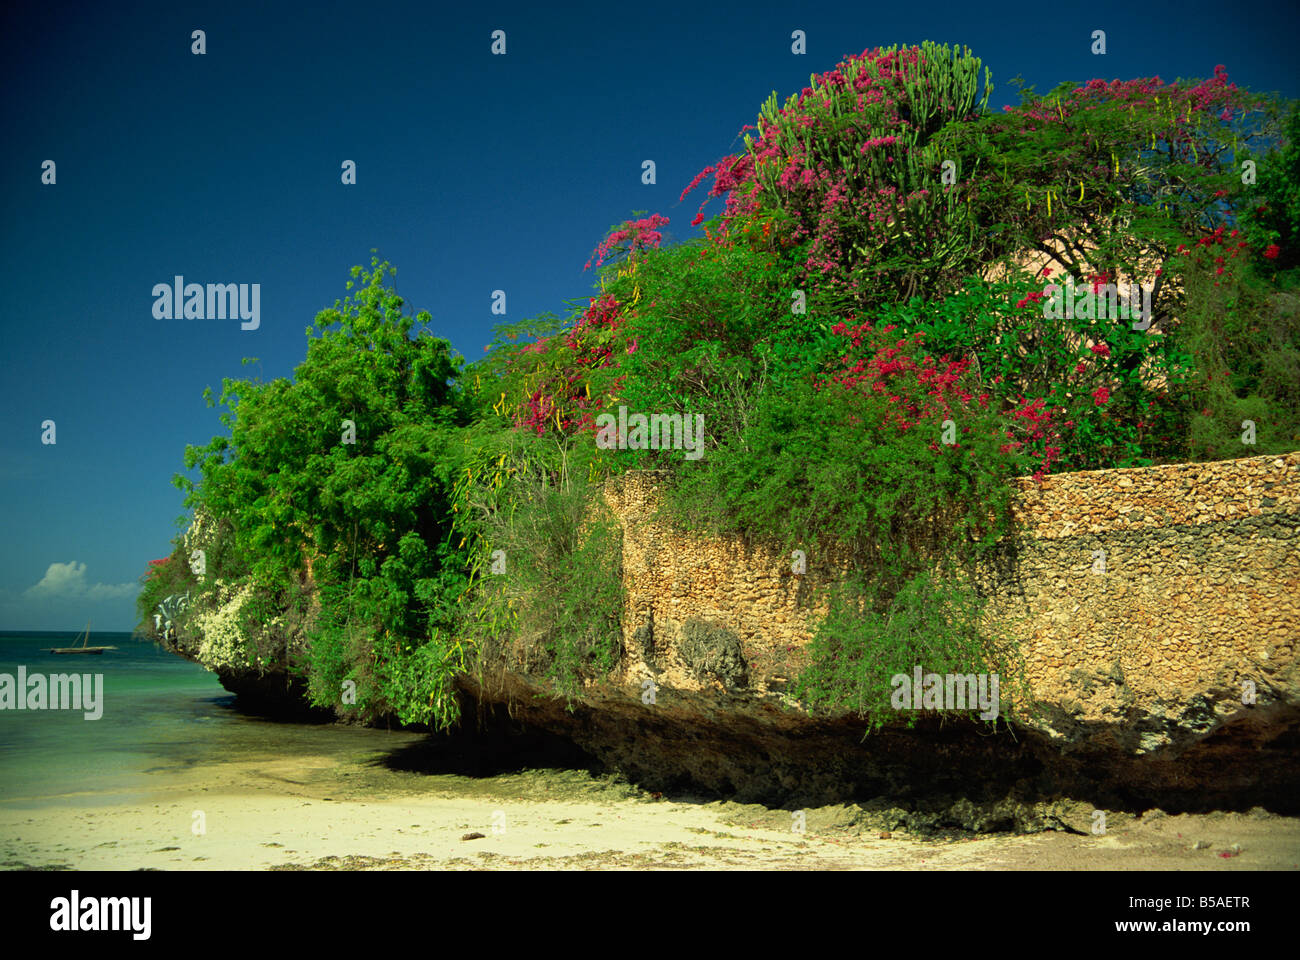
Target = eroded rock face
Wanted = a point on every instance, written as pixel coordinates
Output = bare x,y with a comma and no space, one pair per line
1148,605
933,776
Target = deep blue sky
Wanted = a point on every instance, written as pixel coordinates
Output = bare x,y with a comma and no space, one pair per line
475,172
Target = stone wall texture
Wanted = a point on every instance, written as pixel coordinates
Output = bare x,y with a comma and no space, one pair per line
1199,592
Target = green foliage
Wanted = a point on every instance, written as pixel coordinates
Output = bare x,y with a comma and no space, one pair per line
418,680
1271,208
931,621
372,516
554,601
814,470
712,331
409,678
337,654
1244,336
1020,350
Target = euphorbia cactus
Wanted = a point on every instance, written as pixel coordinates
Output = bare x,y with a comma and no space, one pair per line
847,166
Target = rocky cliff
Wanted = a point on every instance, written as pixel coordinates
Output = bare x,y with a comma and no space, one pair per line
1155,609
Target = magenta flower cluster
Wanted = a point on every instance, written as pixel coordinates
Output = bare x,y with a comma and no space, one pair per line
633,235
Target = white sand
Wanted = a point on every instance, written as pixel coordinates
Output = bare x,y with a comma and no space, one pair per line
317,812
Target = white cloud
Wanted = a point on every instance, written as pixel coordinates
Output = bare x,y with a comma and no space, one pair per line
67,581
65,598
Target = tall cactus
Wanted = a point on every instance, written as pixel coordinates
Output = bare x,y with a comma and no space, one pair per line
851,162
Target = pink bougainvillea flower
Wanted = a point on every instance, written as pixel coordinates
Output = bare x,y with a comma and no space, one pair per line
1100,395
640,234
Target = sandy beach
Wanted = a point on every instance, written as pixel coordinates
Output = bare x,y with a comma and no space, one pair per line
352,810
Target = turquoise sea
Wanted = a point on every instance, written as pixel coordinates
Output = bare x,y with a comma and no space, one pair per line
157,708
162,716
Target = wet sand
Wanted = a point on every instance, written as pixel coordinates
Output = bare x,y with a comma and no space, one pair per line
348,809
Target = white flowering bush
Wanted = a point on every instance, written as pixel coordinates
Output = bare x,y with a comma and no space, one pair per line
223,644
202,530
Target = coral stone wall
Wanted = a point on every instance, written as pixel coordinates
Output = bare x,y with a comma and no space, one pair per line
1156,590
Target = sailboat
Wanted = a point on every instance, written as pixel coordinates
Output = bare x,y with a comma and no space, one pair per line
85,637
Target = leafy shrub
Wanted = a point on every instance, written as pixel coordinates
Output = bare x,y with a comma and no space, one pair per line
1101,380
556,604
1244,337
1111,176
932,621
341,476
713,330
858,459
1271,210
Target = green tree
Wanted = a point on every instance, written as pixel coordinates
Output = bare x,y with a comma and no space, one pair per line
343,474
